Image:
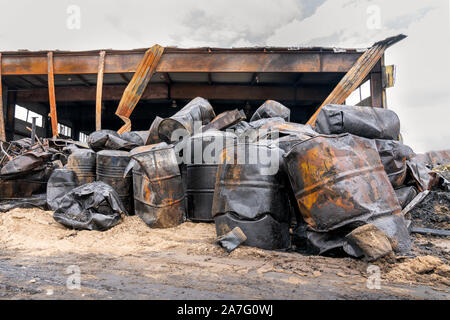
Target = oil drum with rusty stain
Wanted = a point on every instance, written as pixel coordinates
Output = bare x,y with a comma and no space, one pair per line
338,180
158,189
250,193
111,165
197,110
204,150
83,162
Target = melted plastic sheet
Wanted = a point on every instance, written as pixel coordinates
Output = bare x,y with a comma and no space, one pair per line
93,206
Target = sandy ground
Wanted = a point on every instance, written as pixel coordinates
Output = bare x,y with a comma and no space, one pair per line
133,261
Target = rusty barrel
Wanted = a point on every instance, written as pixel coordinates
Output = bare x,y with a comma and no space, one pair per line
338,180
83,162
204,151
111,165
250,193
197,110
157,185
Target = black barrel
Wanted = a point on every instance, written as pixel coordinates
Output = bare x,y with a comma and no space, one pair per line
250,193
83,162
204,151
197,110
111,166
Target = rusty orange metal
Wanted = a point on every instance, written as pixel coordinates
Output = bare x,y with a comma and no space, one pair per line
137,85
338,180
98,98
51,94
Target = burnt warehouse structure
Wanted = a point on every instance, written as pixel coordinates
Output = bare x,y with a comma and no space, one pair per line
84,88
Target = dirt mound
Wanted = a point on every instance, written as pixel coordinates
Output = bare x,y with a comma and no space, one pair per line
423,269
35,229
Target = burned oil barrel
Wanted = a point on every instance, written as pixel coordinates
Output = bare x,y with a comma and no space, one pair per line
373,123
153,136
393,156
204,150
61,182
250,193
137,138
338,180
26,185
158,189
198,110
83,162
271,109
111,165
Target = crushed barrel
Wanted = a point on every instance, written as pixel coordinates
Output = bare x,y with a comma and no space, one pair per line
158,189
198,110
338,180
271,109
250,193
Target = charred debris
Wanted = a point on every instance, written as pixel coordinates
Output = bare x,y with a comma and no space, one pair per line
344,185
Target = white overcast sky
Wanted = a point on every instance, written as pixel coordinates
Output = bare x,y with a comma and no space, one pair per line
421,96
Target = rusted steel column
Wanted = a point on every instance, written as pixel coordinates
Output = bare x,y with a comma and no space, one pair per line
98,101
376,90
51,94
2,116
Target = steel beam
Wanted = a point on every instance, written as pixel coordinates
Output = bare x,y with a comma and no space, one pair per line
160,91
120,62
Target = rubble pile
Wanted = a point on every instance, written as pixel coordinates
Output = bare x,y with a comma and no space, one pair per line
345,185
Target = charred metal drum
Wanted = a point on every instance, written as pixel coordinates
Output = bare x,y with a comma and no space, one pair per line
204,150
111,165
393,156
338,180
250,193
198,110
158,189
25,185
84,163
368,122
271,109
153,136
138,138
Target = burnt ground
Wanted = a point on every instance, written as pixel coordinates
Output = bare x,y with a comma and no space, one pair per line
432,212
132,261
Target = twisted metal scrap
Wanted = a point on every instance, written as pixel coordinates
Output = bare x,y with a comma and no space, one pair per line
137,85
356,74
